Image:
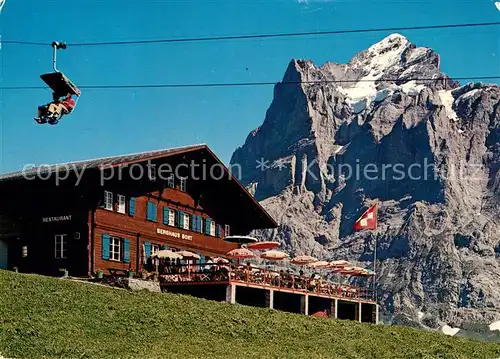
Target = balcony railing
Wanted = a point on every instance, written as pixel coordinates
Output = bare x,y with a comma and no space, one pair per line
210,273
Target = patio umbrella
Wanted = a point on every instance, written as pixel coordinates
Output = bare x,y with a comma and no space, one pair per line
240,253
303,260
188,255
318,264
339,264
274,255
220,260
240,239
166,253
263,245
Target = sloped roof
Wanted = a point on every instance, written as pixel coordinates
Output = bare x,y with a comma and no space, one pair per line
105,162
99,162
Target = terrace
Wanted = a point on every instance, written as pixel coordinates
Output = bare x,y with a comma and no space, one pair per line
263,287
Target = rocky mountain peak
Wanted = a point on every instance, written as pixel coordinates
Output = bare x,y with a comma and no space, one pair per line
387,127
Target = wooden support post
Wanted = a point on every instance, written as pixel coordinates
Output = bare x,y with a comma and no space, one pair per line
336,315
231,293
271,299
360,311
304,304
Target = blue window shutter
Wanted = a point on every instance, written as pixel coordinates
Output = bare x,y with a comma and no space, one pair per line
202,260
200,224
147,249
151,211
193,222
131,207
148,211
181,219
105,245
165,215
207,226
218,230
126,250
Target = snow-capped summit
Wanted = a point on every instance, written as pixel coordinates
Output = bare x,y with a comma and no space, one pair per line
342,136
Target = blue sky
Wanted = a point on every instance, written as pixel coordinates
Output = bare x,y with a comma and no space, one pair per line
117,121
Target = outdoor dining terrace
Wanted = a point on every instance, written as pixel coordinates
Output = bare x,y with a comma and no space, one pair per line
348,295
260,276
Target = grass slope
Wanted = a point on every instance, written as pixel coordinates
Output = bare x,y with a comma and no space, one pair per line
56,318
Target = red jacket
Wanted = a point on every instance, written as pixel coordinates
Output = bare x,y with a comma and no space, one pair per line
68,104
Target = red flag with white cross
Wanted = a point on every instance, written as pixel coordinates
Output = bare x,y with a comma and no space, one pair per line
368,220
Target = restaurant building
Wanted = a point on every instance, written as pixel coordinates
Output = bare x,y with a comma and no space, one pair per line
113,213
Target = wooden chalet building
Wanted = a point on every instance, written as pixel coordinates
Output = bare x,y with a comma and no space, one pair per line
114,212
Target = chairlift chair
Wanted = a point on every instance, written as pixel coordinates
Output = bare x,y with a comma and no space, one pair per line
57,81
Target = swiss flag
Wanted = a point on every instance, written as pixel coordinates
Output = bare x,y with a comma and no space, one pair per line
368,220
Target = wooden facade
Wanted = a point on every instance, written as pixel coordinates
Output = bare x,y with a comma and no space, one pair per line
103,216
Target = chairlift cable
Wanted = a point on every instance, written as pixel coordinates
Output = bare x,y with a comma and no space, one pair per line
241,84
260,36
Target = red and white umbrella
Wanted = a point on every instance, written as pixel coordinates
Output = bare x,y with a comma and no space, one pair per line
303,260
274,255
318,264
220,260
339,264
263,245
240,253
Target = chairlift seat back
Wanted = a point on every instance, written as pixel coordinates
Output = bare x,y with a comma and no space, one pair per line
60,84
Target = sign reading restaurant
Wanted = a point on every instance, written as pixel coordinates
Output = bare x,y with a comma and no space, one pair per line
56,219
174,234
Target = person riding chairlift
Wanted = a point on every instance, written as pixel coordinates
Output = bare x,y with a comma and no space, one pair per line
56,109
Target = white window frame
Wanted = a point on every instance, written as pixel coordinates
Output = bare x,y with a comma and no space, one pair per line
60,244
171,217
122,207
108,200
154,249
187,221
171,181
212,228
183,181
227,229
113,254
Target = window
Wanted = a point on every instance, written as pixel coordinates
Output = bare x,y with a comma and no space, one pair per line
183,184
108,200
212,228
227,230
171,182
61,244
186,221
171,217
154,249
115,249
121,204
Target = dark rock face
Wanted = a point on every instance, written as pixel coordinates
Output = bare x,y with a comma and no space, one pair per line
389,127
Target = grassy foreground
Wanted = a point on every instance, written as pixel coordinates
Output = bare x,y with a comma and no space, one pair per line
56,318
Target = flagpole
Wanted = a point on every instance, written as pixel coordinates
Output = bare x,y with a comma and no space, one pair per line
374,266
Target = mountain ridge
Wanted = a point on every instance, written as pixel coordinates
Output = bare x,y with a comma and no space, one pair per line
438,224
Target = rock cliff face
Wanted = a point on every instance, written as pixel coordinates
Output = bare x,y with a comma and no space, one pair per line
388,127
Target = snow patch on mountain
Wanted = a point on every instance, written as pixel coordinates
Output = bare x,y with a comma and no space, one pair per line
446,329
447,100
412,88
495,326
